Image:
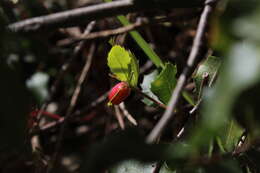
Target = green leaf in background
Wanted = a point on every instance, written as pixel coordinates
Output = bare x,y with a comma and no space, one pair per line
133,166
165,82
123,65
241,70
236,92
146,87
38,84
209,66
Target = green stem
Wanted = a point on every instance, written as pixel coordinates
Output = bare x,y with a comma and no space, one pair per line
141,42
220,144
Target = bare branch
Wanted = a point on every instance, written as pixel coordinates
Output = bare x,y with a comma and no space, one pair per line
82,15
111,32
168,114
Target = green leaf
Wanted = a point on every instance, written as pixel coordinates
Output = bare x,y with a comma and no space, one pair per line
123,65
164,84
146,87
133,166
209,66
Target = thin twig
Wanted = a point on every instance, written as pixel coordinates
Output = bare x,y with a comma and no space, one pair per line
73,102
93,104
239,147
119,117
117,31
152,99
82,78
180,133
127,114
77,113
168,114
101,34
94,12
196,107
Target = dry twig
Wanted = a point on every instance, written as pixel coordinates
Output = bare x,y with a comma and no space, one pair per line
127,114
101,34
119,117
121,30
94,12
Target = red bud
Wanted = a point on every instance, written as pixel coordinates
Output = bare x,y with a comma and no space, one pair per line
119,93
